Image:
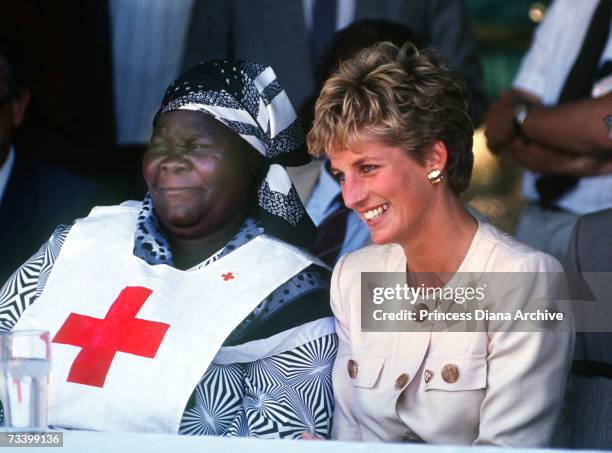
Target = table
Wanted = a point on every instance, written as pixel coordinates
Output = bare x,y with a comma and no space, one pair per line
97,442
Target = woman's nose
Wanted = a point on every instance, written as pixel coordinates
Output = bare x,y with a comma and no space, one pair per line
175,162
353,192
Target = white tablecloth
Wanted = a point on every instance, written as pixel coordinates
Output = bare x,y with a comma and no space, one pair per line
95,442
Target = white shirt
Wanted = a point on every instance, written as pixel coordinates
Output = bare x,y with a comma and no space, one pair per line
5,171
148,40
556,44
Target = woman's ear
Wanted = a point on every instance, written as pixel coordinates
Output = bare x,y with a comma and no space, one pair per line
436,157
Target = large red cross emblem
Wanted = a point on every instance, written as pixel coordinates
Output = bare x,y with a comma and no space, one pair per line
101,339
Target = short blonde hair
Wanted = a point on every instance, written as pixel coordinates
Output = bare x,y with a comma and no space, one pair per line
401,97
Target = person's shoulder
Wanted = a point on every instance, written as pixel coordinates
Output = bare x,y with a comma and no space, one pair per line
128,206
62,176
510,255
373,258
64,192
591,242
595,223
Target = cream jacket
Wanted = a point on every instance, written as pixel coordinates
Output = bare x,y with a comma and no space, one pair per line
500,388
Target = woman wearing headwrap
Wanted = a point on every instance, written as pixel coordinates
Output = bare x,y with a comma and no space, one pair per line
197,310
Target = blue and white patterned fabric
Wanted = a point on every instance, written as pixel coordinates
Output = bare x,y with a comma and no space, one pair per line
271,378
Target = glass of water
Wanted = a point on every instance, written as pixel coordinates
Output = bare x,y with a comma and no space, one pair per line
25,362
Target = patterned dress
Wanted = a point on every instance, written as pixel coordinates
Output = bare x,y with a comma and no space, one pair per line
282,393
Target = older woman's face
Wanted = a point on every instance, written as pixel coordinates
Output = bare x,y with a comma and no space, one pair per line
198,174
386,187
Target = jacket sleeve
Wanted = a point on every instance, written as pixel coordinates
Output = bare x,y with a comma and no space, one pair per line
27,283
280,396
345,427
527,370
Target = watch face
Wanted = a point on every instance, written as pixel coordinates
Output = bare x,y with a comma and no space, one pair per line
520,114
602,87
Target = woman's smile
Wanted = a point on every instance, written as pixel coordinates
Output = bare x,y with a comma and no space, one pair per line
374,214
386,187
178,189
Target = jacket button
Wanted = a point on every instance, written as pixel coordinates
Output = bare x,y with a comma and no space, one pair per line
428,376
352,368
450,373
419,316
401,381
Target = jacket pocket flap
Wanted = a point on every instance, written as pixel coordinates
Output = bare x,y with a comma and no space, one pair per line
455,374
366,369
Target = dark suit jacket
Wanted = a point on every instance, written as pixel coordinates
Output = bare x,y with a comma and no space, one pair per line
591,251
70,120
587,416
66,46
591,244
273,32
38,198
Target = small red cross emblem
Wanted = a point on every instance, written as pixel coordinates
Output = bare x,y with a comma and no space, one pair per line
101,339
227,276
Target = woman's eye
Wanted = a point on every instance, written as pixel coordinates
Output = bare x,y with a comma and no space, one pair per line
368,168
200,149
339,177
156,148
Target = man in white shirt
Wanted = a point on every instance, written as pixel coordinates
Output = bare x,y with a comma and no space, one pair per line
551,134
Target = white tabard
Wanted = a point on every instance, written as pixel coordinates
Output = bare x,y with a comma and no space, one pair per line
130,363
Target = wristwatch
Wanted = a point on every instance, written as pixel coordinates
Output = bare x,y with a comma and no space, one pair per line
520,115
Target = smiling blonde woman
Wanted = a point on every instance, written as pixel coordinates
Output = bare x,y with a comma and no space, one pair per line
395,125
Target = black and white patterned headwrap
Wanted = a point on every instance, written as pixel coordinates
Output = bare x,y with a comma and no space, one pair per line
248,99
